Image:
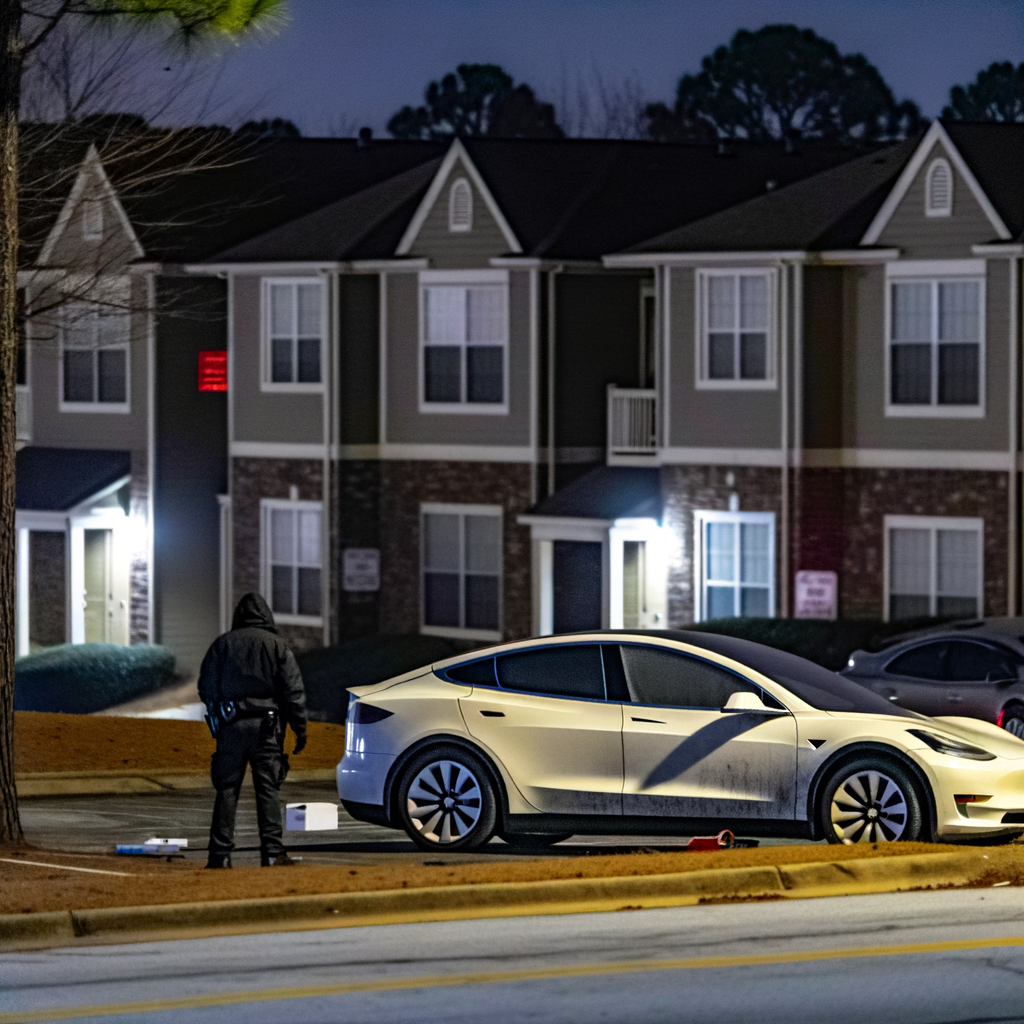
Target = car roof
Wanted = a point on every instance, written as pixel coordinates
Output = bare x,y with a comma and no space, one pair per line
1001,630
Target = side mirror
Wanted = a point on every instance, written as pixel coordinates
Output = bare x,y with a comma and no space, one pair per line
743,700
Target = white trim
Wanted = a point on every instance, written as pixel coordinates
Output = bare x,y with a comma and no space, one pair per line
703,382
150,462
701,517
936,268
906,458
41,522
453,508
664,385
403,266
935,410
495,276
224,562
91,164
998,249
254,268
275,450
768,258
534,278
455,225
565,527
266,355
945,209
933,524
721,456
268,505
387,452
22,592
935,134
844,256
457,152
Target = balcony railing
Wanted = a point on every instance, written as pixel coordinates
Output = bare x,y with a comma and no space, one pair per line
632,421
23,414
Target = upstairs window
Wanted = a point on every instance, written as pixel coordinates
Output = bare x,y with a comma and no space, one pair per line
94,341
735,330
464,330
293,334
460,206
936,332
939,189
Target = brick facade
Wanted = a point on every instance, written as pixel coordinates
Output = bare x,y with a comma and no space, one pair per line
139,569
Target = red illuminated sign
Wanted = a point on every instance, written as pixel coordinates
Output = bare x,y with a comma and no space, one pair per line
213,371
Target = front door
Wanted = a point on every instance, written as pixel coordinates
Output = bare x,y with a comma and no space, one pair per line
684,756
577,585
97,585
551,727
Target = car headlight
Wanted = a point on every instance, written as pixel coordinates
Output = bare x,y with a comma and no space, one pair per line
952,747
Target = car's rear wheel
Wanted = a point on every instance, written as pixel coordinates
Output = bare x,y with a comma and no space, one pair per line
1013,719
533,840
871,800
446,800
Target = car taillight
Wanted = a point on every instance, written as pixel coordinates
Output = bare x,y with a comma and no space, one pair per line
999,720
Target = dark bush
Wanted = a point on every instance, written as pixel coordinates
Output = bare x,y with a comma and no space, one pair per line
81,678
329,671
829,643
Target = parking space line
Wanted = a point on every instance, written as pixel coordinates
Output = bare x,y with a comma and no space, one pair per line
63,867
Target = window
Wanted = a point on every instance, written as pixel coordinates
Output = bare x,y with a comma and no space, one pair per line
569,671
464,336
460,206
657,676
934,566
939,190
292,560
293,334
736,560
461,570
94,357
92,220
735,329
924,662
936,335
969,661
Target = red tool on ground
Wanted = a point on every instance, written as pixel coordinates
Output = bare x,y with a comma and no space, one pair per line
725,840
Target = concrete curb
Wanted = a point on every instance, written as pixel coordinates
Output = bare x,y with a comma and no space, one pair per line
115,783
501,899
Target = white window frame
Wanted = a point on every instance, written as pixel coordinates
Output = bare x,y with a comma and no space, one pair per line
701,379
453,632
701,518
935,272
462,278
933,524
453,224
939,163
266,354
117,408
268,505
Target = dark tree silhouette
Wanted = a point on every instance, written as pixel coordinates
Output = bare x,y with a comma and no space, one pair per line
278,127
997,94
477,99
782,82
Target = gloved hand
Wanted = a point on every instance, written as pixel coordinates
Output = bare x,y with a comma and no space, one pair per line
300,743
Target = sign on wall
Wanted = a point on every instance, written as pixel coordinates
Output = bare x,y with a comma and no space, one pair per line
360,570
816,595
213,371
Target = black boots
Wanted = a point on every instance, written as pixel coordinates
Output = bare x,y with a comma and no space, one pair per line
219,860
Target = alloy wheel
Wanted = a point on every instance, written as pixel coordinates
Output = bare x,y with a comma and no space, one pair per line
444,802
869,807
1015,725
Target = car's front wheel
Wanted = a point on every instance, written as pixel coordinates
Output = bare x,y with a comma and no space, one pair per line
446,800
871,800
1013,719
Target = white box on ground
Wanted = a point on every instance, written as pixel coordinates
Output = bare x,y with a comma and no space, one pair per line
183,843
311,817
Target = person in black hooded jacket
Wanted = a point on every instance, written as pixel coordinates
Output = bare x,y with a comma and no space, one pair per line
252,669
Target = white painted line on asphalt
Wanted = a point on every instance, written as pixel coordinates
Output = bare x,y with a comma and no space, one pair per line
64,867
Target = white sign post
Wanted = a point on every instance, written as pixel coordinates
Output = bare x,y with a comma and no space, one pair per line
360,570
816,595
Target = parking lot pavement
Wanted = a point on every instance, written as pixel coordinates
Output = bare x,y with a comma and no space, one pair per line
94,824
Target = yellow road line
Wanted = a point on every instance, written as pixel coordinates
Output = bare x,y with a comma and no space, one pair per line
63,867
494,978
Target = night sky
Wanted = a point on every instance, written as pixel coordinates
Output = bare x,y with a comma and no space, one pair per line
343,63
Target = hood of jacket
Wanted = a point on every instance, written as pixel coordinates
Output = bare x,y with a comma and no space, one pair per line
253,613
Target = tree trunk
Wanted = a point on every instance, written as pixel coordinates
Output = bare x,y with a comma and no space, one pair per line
10,81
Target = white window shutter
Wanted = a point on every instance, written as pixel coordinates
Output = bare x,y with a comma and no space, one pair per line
460,206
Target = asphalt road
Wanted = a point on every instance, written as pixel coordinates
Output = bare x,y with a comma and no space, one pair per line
915,958
94,824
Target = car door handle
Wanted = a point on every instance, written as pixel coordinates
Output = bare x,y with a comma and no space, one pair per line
493,714
653,721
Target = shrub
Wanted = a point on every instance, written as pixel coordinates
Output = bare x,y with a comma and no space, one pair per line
79,679
328,672
827,642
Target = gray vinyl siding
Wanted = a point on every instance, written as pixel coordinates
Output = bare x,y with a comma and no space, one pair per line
73,249
710,418
405,423
118,430
359,372
266,416
865,355
450,250
922,237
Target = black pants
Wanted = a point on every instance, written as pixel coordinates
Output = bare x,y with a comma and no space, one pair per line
257,742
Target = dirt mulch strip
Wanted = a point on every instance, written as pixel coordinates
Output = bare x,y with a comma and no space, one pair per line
24,889
94,743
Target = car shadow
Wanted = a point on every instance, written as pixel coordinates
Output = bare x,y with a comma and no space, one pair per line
699,745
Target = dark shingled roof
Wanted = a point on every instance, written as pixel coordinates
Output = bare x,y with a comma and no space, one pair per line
607,492
829,210
58,479
994,151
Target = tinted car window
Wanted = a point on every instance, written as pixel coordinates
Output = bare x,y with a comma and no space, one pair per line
967,659
568,671
657,676
924,662
477,673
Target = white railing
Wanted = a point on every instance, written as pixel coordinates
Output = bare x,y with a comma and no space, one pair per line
23,414
632,421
